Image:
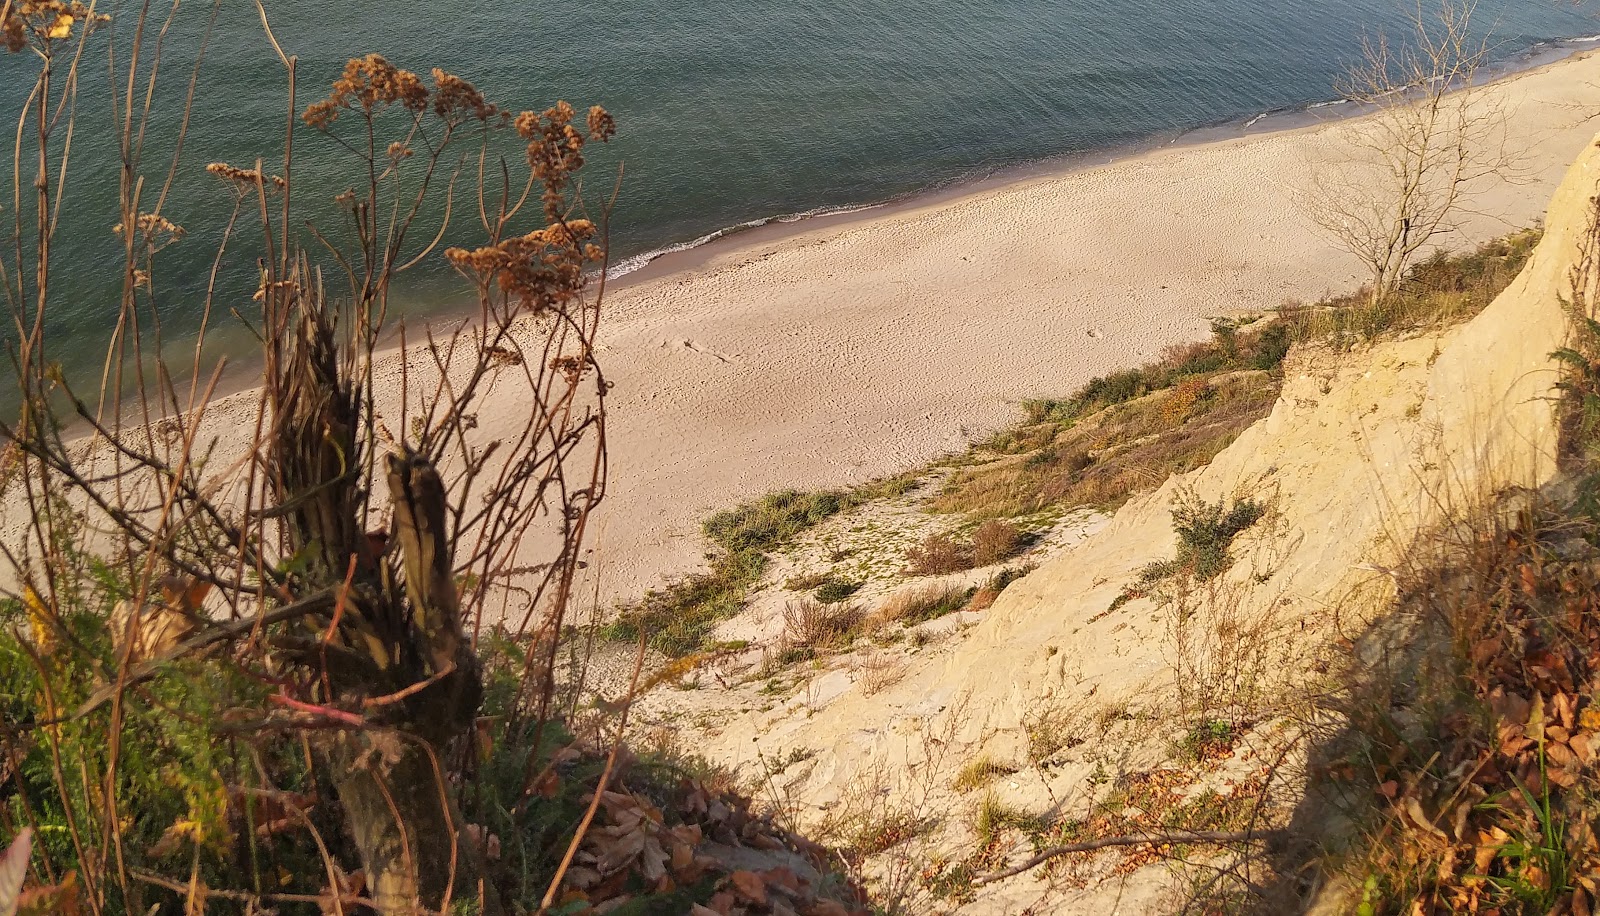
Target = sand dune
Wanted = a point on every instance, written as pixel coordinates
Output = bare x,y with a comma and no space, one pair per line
859,349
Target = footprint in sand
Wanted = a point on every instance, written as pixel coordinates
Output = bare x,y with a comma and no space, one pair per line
694,347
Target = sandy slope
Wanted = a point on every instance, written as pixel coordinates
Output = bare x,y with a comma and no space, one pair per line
857,350
1363,455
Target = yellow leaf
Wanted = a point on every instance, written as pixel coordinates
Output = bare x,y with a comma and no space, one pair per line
62,27
40,620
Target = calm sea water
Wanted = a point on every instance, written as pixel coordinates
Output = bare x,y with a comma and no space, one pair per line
730,110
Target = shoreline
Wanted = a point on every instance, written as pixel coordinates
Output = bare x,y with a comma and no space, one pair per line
762,232
833,352
691,254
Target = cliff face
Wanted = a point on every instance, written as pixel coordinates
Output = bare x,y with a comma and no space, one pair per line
1365,451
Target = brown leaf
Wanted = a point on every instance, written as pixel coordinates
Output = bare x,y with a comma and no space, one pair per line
750,886
1510,707
1414,813
61,899
1566,709
547,784
1560,754
1513,740
1583,747
1483,857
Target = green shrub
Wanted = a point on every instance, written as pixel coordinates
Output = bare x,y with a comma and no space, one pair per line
680,618
1205,531
774,519
834,591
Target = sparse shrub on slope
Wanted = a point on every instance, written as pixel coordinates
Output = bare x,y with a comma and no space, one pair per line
1205,532
937,555
995,541
1127,432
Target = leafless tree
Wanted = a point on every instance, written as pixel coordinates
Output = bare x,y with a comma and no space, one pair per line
1397,179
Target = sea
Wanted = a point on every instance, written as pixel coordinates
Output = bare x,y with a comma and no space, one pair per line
731,114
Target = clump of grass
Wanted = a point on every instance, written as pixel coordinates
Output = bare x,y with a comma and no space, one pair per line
807,581
679,619
995,541
834,590
919,605
1205,532
814,625
774,519
1050,731
980,772
937,555
994,817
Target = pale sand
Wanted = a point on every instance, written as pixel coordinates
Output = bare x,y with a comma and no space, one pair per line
859,350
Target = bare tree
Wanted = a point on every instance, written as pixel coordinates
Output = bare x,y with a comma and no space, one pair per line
1397,180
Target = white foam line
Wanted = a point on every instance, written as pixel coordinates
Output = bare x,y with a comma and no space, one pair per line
629,265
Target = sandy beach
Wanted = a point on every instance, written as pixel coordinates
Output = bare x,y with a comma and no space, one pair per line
860,347
869,346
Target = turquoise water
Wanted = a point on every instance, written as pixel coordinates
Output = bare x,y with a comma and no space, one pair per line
729,110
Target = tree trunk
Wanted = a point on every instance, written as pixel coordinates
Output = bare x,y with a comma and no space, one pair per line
412,838
403,660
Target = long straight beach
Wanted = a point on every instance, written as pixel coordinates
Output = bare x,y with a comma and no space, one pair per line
849,348
874,343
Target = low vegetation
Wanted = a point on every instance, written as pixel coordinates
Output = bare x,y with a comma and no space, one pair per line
1127,432
1119,435
1205,532
1469,762
921,604
679,619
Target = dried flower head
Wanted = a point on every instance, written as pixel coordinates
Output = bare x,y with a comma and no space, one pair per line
542,270
41,23
368,83
455,100
246,178
152,232
555,148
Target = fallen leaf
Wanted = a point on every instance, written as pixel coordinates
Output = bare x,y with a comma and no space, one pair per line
14,870
750,886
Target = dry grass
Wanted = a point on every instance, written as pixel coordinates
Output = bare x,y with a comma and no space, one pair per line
919,605
995,541
1126,433
1126,449
811,624
879,671
980,772
1476,744
938,555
